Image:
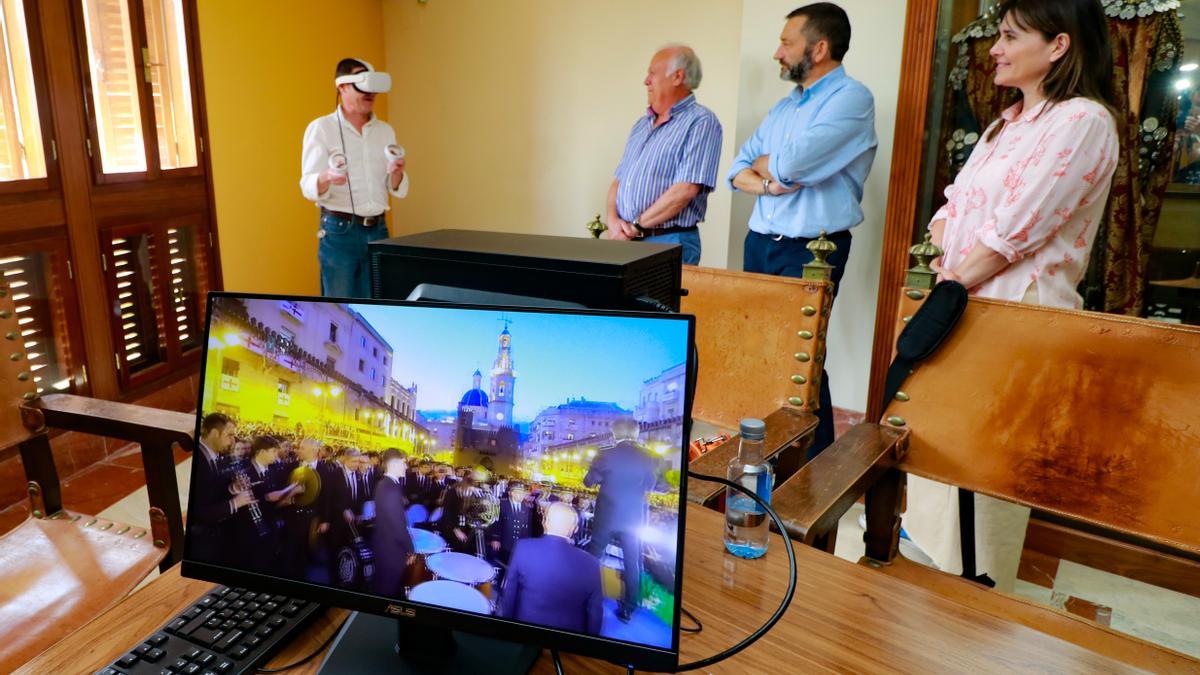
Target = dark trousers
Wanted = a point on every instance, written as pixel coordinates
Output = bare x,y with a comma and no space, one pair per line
631,554
787,258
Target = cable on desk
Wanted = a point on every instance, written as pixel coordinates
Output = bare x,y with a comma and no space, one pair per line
787,597
311,656
558,669
699,626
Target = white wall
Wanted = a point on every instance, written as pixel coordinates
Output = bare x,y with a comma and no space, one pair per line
514,114
874,59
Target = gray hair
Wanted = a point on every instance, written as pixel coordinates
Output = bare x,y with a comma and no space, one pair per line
685,59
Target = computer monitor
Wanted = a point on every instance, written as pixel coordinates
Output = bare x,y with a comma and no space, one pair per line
511,472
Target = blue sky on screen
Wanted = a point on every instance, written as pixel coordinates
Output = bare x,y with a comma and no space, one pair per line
556,356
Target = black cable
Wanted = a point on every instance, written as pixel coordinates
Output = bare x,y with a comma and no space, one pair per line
787,597
311,656
699,626
558,669
349,185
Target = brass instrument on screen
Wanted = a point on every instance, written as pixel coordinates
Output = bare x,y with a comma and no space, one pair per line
308,478
242,483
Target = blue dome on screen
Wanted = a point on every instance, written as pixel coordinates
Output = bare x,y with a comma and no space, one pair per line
475,397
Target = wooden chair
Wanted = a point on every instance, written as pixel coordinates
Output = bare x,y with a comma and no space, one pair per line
1089,417
59,569
761,346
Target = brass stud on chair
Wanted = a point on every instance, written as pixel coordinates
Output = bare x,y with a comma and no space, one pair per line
796,401
808,310
896,421
915,295
12,335
806,335
15,356
802,357
906,319
901,396
4,314
799,379
23,376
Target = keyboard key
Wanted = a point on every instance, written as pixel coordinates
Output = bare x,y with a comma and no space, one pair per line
177,625
221,604
198,622
214,622
258,616
253,641
206,601
180,664
207,659
222,591
128,660
265,631
109,671
194,612
225,613
229,640
232,596
291,610
141,650
240,604
276,622
249,596
270,606
208,636
246,625
192,654
157,640
210,672
240,615
253,606
154,655
192,669
279,599
240,652
224,666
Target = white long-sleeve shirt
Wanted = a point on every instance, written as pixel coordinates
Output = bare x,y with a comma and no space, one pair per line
365,159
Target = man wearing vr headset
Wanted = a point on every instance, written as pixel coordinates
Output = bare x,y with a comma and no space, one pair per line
347,169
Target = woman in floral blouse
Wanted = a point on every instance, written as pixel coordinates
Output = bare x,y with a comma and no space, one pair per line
1021,217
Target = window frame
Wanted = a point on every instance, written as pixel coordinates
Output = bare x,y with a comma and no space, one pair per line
140,45
37,63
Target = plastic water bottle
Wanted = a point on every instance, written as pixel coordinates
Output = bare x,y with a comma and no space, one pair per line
746,527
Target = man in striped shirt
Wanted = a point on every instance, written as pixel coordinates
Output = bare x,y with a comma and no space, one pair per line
660,190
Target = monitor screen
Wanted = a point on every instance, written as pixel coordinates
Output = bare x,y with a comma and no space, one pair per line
508,471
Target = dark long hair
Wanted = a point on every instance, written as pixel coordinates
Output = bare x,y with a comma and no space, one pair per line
1086,69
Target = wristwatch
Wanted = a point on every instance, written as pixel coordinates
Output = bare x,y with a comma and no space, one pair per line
766,186
642,231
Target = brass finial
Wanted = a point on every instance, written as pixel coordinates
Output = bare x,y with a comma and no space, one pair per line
921,275
596,227
818,269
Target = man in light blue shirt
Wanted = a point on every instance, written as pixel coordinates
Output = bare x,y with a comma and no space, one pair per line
660,190
808,160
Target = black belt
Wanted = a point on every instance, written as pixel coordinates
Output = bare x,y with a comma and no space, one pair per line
836,236
659,231
365,221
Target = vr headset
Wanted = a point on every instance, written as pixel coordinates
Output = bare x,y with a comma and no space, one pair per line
368,81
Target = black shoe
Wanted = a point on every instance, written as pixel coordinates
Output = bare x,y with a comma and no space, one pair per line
625,614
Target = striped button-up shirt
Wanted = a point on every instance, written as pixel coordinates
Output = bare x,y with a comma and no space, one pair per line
822,139
684,149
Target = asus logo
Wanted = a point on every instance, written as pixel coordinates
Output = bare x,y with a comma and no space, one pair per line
397,610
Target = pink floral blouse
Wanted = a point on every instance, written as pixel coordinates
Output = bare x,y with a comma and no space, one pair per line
1035,194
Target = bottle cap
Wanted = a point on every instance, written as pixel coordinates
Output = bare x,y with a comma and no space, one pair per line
753,429
337,163
393,152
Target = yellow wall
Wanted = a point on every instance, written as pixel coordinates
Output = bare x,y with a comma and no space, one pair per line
514,114
268,72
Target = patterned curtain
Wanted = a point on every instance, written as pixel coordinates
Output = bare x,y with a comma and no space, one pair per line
1147,43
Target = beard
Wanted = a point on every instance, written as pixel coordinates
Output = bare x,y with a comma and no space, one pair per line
798,72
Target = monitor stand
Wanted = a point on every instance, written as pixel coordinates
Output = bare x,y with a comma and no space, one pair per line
376,644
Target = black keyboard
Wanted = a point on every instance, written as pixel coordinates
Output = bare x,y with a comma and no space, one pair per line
228,631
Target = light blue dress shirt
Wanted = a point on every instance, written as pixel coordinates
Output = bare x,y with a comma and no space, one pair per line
823,139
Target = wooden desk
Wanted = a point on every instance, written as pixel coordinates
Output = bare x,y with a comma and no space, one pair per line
844,617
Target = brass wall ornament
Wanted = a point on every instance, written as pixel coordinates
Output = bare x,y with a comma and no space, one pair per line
596,227
818,269
922,275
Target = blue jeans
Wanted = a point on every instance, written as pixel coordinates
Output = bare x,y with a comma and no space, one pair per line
342,254
688,239
787,258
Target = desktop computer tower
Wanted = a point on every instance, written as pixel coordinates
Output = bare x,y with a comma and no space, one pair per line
595,273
